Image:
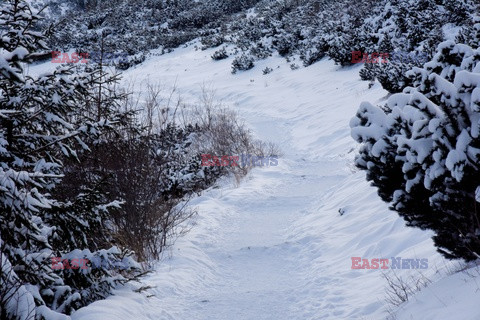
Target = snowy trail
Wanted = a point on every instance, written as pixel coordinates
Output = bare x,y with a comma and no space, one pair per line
276,247
258,265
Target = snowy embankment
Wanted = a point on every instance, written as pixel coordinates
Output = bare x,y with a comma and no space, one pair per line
276,246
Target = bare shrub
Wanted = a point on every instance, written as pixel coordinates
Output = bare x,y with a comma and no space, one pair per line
266,149
399,289
147,173
224,133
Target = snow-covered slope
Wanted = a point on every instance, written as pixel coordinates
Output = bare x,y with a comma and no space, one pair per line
276,246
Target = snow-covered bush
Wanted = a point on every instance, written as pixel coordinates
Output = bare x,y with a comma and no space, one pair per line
267,70
470,35
422,149
243,62
311,54
284,43
220,54
130,61
211,41
260,51
367,73
391,75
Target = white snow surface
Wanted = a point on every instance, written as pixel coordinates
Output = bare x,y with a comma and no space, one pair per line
276,246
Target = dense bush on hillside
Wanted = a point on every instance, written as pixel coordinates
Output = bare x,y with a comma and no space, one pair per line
310,29
242,63
422,149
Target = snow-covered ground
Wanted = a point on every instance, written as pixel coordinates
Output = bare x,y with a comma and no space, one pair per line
276,246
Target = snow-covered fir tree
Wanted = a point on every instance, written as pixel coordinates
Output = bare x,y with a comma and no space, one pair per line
39,130
422,149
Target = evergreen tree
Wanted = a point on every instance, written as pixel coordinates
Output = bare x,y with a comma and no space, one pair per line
41,127
422,149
